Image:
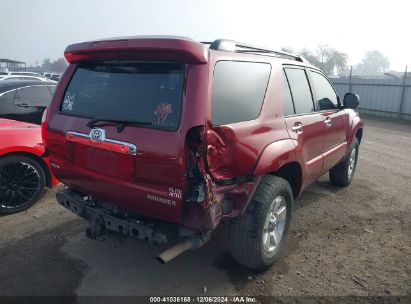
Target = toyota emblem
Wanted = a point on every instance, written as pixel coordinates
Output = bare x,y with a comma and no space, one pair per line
97,135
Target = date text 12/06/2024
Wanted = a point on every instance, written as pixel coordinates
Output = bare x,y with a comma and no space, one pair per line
204,299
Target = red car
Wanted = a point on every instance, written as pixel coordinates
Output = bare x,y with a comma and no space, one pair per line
164,137
24,166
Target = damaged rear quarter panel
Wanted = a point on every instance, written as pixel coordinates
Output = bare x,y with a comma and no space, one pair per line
228,159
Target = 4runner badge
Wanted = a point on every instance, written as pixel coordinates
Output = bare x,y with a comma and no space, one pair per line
97,135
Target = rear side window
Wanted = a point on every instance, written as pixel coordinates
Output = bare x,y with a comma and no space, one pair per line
6,103
27,78
326,98
287,99
52,89
300,91
238,90
34,96
127,90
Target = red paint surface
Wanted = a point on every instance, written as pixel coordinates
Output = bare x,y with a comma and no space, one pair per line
21,137
251,148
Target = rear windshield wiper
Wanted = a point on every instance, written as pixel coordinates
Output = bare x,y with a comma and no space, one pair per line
121,123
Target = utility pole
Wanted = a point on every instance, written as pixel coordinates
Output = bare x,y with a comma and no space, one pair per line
404,79
350,81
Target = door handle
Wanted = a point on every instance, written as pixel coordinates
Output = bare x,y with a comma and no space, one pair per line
298,128
23,105
328,121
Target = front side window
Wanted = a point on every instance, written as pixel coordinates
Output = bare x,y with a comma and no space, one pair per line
238,91
300,90
326,98
127,90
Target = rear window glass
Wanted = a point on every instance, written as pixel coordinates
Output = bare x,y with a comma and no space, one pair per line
127,90
238,90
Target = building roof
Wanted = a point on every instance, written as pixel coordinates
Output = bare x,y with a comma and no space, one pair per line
11,61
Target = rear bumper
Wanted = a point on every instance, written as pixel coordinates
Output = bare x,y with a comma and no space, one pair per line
126,194
112,219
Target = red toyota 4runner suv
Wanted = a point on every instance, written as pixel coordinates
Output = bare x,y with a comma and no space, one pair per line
161,138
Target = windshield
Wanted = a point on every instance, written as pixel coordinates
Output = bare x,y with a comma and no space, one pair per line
127,90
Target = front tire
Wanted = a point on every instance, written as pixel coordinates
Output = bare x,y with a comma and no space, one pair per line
22,183
257,237
342,174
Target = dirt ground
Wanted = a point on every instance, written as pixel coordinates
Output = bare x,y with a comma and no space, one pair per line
352,241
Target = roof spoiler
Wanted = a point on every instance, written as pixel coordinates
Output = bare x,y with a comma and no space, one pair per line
147,47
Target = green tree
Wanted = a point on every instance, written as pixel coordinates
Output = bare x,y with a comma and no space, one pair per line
373,62
308,55
328,59
287,49
338,61
59,65
46,65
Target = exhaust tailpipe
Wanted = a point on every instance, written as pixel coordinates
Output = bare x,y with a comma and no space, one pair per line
174,251
182,246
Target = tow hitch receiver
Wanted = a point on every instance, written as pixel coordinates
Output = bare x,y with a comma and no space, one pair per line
96,228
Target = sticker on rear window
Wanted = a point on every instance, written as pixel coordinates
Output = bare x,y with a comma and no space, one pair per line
162,111
68,102
173,192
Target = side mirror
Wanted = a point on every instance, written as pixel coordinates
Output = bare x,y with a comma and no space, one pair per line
351,100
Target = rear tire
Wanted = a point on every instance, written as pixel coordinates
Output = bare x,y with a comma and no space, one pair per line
342,174
22,183
257,237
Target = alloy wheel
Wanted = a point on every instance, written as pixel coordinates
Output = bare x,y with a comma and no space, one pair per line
19,183
274,224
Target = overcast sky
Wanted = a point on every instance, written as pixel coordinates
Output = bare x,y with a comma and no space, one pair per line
33,30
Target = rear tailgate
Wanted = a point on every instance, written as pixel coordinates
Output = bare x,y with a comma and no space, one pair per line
137,165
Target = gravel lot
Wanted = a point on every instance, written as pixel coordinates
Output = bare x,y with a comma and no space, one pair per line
352,241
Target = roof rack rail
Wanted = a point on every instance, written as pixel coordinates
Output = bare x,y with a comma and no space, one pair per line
233,46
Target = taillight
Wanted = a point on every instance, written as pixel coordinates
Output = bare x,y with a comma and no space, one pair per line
44,126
